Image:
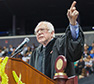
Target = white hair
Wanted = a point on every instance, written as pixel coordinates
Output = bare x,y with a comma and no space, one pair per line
49,26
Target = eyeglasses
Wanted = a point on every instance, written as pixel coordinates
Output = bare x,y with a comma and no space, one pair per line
40,31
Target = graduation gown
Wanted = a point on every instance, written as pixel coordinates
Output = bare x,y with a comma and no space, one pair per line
63,45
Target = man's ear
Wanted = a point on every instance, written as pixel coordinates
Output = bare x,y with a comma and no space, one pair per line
52,33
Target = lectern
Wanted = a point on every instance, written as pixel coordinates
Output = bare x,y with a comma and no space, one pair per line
29,75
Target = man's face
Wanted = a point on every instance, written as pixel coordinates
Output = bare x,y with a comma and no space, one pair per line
43,35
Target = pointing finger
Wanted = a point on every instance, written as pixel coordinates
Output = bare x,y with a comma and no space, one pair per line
73,4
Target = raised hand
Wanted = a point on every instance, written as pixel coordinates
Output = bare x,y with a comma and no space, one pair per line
72,14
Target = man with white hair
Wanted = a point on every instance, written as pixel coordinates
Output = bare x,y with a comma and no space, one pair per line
70,45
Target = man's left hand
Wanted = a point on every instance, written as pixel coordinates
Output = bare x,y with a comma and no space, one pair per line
72,14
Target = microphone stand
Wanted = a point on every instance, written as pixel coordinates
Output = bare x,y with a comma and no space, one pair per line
16,52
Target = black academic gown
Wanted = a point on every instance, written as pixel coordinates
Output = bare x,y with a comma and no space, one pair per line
64,45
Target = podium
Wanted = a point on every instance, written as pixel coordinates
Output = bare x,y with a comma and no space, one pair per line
29,75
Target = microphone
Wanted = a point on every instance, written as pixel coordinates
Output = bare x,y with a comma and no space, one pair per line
26,40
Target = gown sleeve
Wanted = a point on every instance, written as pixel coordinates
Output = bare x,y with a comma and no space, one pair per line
74,48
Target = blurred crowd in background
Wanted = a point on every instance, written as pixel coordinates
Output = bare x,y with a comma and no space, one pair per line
83,67
25,54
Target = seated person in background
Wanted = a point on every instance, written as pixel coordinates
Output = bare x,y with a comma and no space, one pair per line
24,49
80,66
86,51
27,55
5,51
92,53
10,50
70,45
28,52
91,47
1,53
88,64
88,57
